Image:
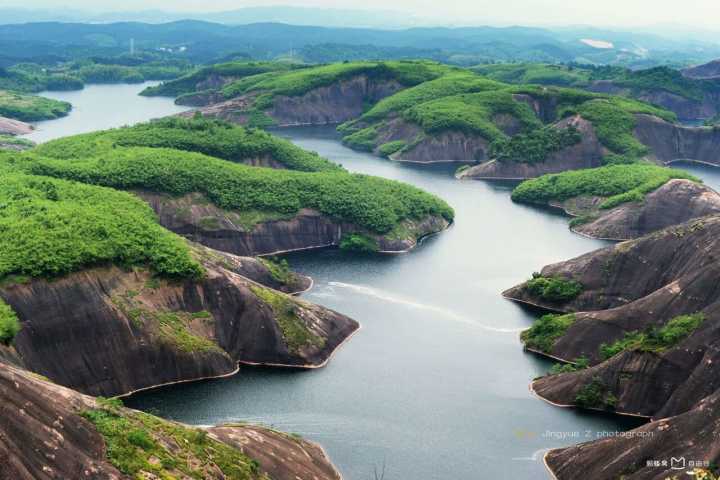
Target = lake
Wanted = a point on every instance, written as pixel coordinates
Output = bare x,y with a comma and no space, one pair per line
99,107
435,385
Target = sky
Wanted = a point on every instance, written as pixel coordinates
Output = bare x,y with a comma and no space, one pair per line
618,13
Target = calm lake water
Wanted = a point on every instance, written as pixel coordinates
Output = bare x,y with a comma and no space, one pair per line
98,107
435,385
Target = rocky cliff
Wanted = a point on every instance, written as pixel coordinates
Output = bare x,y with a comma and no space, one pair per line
675,202
690,436
51,432
108,331
637,288
668,142
710,70
587,153
205,223
332,104
686,108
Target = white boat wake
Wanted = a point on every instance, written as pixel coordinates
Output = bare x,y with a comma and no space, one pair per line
372,292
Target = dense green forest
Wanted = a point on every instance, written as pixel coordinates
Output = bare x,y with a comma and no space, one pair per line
616,183
465,102
629,82
73,75
51,227
373,203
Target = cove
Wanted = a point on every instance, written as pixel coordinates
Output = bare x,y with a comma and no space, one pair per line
99,107
435,385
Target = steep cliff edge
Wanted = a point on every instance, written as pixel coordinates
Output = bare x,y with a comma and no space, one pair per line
95,330
588,153
645,317
618,202
194,217
326,105
668,142
51,432
326,94
239,208
675,202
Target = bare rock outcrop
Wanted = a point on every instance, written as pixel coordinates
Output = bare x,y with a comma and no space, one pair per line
328,105
108,331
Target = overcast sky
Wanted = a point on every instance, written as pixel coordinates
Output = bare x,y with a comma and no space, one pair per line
704,13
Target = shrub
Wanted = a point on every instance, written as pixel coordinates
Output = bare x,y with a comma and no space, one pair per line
656,339
536,146
390,148
546,330
595,395
580,363
9,324
359,243
51,227
553,289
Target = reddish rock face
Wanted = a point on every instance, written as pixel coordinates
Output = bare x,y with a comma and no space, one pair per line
690,436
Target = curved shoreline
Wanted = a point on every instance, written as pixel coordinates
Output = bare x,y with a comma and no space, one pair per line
308,366
600,410
237,369
527,302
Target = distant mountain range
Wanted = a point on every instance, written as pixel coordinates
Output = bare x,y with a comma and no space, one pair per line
331,17
285,32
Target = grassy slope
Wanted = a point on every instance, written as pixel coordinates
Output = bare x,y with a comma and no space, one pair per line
140,445
30,108
374,203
